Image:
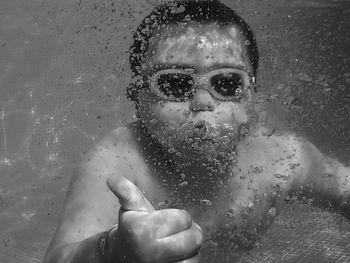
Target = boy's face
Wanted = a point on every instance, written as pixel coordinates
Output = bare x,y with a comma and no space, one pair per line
197,100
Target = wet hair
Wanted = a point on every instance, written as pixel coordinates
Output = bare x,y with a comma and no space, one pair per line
184,12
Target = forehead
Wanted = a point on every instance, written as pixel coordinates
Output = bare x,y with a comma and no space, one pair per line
199,47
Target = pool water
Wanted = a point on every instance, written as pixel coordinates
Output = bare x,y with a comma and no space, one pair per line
63,71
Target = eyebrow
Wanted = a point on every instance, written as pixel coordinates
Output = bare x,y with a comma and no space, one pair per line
161,66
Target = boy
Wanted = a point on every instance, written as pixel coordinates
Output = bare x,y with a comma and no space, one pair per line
197,158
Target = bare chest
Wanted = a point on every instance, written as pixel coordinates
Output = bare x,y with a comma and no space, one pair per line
210,200
265,171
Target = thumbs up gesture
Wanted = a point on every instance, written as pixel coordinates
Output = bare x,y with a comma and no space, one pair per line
148,235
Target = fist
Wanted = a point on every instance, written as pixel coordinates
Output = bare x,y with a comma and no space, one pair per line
148,235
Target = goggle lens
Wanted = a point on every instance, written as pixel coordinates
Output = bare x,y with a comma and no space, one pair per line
223,84
227,85
175,85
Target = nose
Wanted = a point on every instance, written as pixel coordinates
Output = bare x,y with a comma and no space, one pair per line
202,101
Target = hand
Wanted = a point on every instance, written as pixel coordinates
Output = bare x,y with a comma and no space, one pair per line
148,235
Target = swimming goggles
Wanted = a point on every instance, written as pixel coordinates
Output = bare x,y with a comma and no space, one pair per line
227,84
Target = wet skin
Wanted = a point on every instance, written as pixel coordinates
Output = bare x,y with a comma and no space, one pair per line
243,188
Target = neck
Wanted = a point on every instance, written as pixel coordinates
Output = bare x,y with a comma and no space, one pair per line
207,165
198,180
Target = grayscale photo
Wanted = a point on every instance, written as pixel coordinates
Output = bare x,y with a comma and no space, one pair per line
175,131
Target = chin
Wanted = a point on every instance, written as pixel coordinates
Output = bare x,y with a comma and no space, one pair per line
202,141
204,151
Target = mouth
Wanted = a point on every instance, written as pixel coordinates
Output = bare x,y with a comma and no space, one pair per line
205,132
203,140
201,130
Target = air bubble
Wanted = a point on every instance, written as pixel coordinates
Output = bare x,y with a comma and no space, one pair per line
282,176
183,176
206,202
327,175
183,184
272,212
230,213
171,150
187,18
153,121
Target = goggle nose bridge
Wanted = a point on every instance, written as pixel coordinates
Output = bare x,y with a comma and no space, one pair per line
201,82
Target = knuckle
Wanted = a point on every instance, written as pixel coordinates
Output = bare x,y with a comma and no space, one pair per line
197,235
151,254
200,237
200,230
123,221
185,217
127,225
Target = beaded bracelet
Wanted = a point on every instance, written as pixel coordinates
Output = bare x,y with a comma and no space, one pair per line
103,247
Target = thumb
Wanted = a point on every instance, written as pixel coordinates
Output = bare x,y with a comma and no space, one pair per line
130,197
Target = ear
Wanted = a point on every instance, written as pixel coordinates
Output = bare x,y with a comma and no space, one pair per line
255,87
131,92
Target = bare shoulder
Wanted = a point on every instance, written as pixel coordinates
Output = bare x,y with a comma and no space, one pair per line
307,166
296,157
117,140
286,154
117,151
281,146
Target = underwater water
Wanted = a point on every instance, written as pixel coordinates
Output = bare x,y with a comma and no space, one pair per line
63,71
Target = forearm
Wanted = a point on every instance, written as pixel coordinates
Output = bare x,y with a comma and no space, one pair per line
334,182
258,203
326,181
87,251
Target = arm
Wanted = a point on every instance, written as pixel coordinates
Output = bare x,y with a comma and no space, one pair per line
323,178
90,208
279,166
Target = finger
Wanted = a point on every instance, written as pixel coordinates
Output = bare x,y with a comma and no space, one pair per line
195,259
130,197
182,245
168,222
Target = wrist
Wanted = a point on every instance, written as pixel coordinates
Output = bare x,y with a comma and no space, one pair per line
104,246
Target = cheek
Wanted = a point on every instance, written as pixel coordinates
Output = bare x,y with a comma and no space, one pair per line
157,112
232,113
239,113
172,113
146,103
